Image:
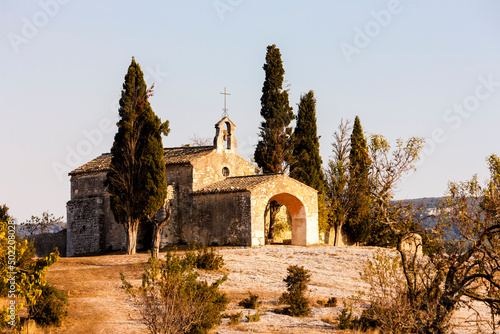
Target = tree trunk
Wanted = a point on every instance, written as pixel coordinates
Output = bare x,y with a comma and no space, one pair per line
273,211
157,226
155,250
443,316
338,235
329,236
132,236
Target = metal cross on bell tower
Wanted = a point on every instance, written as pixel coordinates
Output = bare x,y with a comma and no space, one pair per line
224,110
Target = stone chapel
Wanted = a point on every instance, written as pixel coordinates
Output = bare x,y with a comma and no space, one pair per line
216,199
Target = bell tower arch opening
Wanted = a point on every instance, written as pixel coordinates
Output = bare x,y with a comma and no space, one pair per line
225,140
227,135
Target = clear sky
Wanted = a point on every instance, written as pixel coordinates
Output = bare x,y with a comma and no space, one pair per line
422,68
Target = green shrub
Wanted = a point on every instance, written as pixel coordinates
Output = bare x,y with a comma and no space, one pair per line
296,282
234,319
203,258
254,318
252,301
50,308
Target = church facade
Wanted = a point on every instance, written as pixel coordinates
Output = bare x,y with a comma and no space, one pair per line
215,199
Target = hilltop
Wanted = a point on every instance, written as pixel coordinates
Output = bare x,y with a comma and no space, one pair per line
98,305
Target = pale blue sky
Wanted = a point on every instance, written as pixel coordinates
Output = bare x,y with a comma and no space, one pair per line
400,65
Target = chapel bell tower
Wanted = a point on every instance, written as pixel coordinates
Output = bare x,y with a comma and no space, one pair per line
224,140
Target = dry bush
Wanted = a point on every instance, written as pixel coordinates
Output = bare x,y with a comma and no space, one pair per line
235,318
252,301
391,309
254,317
171,300
203,258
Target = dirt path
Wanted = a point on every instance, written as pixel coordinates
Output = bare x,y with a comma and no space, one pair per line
97,304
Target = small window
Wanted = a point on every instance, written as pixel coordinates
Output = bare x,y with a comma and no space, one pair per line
225,171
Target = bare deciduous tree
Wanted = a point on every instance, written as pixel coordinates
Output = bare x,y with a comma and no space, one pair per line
43,224
336,183
200,141
455,273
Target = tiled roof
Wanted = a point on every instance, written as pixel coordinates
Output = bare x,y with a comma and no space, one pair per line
172,156
236,184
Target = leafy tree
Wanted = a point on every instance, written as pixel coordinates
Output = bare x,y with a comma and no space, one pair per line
4,213
337,176
274,149
136,180
22,279
306,166
358,218
388,166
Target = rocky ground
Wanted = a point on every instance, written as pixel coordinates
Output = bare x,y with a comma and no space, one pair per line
98,305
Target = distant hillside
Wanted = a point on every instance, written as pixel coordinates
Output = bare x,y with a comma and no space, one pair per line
430,205
429,202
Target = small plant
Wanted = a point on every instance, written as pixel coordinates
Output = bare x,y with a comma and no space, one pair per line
253,318
346,319
329,320
202,258
50,308
331,302
252,301
234,319
296,282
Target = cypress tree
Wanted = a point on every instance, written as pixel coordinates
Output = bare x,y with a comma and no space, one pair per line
306,162
274,149
136,180
358,186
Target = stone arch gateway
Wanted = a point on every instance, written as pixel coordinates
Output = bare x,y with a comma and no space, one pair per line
298,213
301,202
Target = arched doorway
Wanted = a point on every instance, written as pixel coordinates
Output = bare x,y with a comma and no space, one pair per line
297,212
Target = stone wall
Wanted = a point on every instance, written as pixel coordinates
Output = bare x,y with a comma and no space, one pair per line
179,181
46,242
220,219
209,169
91,224
85,225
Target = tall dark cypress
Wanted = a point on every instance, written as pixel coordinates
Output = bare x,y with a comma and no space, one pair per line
306,166
306,161
136,180
358,218
274,149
